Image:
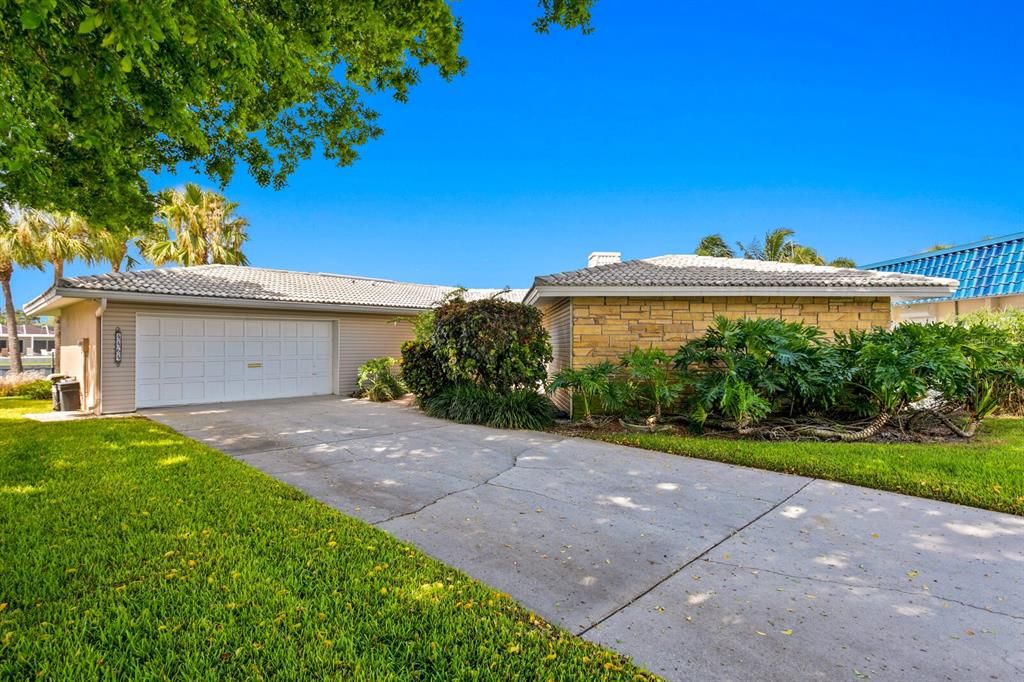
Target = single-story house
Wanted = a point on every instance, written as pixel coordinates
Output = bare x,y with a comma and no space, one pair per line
990,272
214,333
33,339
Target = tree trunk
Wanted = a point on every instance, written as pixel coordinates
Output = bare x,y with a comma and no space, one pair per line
58,273
13,352
972,426
870,430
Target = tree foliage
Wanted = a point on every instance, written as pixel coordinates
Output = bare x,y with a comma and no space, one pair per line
196,227
423,371
97,94
776,245
499,344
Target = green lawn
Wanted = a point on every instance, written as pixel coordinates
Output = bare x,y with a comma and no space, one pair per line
987,472
127,550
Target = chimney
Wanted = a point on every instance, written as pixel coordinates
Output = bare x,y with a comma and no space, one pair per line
603,258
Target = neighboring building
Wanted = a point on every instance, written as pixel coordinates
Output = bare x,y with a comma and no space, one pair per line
214,333
990,272
33,339
601,311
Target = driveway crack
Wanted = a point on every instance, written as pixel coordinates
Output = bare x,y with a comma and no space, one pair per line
700,556
515,462
881,588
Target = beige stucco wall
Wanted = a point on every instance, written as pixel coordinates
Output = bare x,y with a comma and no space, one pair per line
79,349
358,338
605,327
947,310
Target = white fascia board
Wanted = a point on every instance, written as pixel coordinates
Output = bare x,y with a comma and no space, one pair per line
64,296
555,291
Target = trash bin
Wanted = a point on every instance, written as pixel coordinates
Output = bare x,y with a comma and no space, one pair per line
70,399
56,397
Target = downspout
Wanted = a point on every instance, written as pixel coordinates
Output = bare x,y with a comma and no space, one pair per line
98,354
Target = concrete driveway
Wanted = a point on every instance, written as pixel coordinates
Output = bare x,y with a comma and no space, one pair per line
697,570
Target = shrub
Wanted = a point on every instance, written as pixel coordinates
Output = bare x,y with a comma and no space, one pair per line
748,369
377,380
423,372
25,385
593,383
1012,323
468,403
649,380
495,343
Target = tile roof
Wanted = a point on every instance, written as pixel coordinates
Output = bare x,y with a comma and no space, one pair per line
28,330
994,267
265,284
706,271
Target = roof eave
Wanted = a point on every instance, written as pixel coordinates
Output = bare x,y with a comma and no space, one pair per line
538,292
62,296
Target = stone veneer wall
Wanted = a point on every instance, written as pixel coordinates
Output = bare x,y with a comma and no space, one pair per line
604,327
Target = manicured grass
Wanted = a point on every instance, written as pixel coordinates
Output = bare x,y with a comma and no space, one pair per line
987,472
128,551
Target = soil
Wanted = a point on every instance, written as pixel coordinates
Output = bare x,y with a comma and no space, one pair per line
925,431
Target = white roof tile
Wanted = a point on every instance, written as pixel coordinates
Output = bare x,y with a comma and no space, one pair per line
282,286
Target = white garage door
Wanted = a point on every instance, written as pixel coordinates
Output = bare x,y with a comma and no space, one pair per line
185,360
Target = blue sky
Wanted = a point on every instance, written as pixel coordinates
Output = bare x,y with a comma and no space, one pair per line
873,130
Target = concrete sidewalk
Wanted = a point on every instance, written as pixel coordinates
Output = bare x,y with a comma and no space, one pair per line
697,570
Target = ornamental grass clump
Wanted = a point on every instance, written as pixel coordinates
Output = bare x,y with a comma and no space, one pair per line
24,385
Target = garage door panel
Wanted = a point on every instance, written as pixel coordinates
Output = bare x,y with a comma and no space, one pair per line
193,391
170,326
235,369
193,327
170,393
149,326
193,348
170,349
149,370
183,360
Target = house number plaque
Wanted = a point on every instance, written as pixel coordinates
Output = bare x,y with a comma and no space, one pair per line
117,346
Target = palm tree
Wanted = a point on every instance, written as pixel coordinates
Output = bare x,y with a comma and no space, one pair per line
59,238
778,245
713,245
196,227
16,248
111,245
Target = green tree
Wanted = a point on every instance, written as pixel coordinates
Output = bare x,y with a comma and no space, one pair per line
196,227
95,95
778,245
713,245
16,248
59,238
